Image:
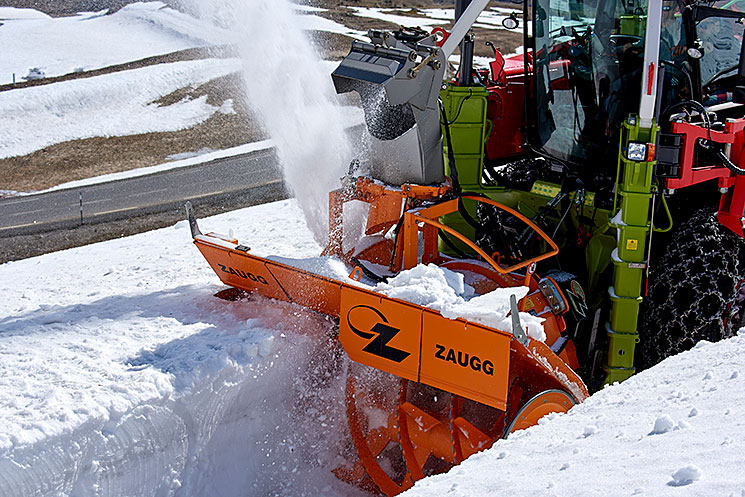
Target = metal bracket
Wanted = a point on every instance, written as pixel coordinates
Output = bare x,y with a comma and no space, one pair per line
517,327
553,295
192,220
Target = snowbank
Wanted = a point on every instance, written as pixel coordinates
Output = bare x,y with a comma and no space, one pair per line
673,430
121,374
116,104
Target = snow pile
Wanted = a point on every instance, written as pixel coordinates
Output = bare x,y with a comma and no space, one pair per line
673,430
94,40
121,374
116,104
445,291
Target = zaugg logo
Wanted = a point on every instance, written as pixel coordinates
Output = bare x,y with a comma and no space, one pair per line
380,334
464,360
243,274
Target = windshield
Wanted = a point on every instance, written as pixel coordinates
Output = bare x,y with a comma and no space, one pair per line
721,39
588,59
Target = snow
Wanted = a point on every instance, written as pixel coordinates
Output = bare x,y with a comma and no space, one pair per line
445,291
401,20
430,18
304,117
120,103
14,14
311,22
94,40
686,476
116,104
121,374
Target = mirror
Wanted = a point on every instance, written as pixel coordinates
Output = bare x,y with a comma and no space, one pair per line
511,22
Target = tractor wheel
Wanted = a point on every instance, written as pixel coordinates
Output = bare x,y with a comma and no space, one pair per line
694,289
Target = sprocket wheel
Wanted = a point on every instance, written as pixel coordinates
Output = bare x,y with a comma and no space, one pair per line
372,398
404,430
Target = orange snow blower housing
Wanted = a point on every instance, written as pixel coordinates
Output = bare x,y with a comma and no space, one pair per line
453,386
425,391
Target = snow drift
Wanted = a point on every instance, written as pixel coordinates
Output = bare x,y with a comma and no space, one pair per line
121,374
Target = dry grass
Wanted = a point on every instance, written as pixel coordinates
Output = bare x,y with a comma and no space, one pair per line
80,159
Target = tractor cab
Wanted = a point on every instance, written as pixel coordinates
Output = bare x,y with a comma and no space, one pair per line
589,63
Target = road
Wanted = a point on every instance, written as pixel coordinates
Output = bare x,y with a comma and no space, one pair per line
255,174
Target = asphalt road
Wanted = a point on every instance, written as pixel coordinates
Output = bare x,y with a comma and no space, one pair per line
255,177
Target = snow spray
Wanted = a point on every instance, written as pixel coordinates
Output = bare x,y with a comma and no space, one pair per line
291,91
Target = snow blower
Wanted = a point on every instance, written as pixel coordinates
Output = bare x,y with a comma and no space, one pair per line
587,135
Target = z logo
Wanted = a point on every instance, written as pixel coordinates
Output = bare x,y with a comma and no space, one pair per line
577,297
381,334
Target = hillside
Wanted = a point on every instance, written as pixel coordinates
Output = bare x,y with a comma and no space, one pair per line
174,37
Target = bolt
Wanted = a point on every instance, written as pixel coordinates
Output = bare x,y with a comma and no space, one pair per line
670,191
412,56
723,190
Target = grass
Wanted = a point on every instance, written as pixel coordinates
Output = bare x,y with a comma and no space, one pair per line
80,159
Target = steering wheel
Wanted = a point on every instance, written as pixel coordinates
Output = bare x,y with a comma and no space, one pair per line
626,39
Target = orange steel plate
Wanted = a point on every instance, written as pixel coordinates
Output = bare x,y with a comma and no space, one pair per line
380,332
421,345
465,358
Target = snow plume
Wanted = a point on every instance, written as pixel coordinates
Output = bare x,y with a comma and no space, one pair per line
291,90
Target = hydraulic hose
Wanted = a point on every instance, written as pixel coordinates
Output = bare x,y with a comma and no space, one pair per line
723,157
451,154
729,164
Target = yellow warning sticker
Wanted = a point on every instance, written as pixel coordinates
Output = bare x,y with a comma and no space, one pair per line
632,244
528,304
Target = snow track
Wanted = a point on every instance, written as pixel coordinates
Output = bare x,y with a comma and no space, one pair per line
121,374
